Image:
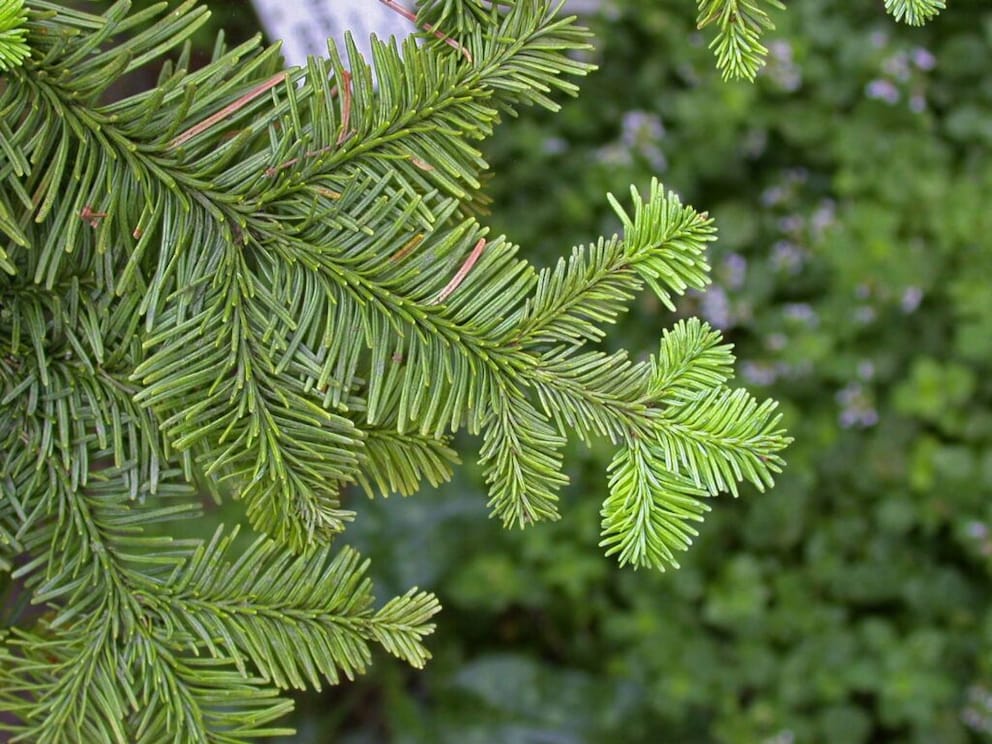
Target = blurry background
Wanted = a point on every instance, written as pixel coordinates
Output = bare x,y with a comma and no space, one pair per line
852,187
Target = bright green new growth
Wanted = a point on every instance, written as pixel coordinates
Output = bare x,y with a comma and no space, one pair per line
741,23
737,44
272,284
13,49
915,12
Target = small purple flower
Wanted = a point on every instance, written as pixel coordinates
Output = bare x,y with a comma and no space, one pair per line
924,59
897,66
882,90
824,216
787,256
776,341
772,195
756,373
978,530
911,299
554,145
715,308
802,312
791,223
857,407
736,267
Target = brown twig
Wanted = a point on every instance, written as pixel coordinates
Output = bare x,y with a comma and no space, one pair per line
408,247
227,110
88,214
460,275
345,93
411,16
422,164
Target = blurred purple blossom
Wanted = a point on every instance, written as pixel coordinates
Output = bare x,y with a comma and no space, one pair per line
882,90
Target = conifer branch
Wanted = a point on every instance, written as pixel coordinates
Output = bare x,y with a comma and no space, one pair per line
310,617
412,17
740,24
914,12
13,49
270,283
649,511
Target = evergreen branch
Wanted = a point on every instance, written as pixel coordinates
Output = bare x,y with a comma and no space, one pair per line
690,361
401,624
88,686
740,23
523,54
648,512
914,12
267,432
521,459
269,278
60,113
13,47
8,227
437,104
411,16
310,616
194,371
458,16
60,35
592,393
63,689
449,352
74,338
225,112
664,242
88,548
721,437
662,245
573,300
199,699
399,463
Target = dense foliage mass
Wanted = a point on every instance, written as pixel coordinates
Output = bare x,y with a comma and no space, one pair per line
851,604
271,284
851,187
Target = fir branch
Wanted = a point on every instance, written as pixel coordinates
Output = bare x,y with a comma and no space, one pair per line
399,463
271,279
648,513
573,300
87,686
691,361
13,48
166,377
411,16
458,16
722,437
665,242
310,617
63,688
914,12
740,23
591,393
521,458
266,431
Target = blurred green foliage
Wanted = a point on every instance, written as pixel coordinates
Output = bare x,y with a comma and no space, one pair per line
852,186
